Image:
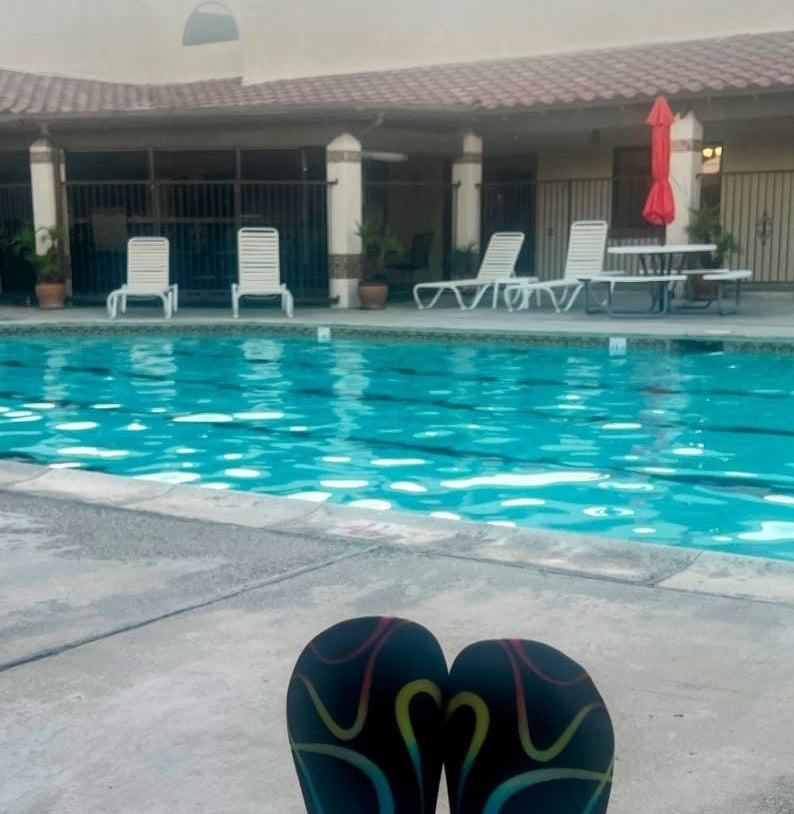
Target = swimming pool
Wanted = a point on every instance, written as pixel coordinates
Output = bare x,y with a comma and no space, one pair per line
695,449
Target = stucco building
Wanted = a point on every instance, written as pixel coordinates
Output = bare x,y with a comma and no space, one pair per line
450,119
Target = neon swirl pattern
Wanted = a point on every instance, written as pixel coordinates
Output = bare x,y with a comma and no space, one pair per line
372,711
364,713
526,731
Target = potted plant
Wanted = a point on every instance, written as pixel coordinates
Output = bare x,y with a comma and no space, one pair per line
48,263
705,227
376,246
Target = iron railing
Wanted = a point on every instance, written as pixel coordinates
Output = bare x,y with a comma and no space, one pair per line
757,208
544,210
200,219
16,211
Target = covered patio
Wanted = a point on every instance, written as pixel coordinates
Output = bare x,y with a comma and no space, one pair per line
451,152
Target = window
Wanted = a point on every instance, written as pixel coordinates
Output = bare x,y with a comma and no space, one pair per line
195,165
130,165
210,22
14,167
711,176
631,181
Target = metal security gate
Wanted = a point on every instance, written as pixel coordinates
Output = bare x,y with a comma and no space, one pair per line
757,208
544,211
298,209
511,207
200,219
16,212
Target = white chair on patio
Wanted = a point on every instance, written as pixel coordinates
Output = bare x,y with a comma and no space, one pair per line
585,258
497,267
147,277
259,268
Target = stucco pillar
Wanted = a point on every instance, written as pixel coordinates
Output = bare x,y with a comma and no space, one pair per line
467,175
343,164
686,144
44,171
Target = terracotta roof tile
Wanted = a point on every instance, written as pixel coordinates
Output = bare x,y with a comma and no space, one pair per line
746,62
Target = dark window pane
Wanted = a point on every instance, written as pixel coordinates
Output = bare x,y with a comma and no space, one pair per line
107,166
711,176
271,165
630,185
195,165
14,167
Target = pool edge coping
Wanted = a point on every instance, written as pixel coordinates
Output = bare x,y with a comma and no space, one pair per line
308,328
641,564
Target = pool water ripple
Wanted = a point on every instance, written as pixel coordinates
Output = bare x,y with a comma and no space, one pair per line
693,449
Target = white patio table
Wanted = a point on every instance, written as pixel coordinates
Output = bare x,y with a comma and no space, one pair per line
660,268
665,258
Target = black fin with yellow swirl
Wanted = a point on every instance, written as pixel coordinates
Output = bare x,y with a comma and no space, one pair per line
526,731
365,718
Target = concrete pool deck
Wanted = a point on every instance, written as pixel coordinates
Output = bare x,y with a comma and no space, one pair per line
148,630
763,316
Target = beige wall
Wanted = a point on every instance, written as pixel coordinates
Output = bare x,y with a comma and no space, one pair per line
592,162
742,155
102,40
137,41
419,209
140,40
352,35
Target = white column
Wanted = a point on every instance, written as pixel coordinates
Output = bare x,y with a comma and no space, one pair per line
467,175
343,164
686,144
44,172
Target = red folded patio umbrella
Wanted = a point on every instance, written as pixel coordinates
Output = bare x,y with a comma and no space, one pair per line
659,206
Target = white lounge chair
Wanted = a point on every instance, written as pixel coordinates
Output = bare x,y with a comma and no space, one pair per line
497,267
585,258
259,268
147,277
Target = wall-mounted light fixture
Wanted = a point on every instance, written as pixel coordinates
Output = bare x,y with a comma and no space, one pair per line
711,159
764,227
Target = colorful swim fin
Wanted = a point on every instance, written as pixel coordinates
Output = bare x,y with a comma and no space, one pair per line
526,731
365,718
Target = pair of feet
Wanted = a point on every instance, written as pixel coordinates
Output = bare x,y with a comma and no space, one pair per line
373,713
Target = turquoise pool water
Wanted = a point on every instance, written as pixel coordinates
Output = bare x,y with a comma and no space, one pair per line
691,449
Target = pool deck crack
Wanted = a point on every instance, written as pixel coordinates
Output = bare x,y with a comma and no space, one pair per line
241,590
674,572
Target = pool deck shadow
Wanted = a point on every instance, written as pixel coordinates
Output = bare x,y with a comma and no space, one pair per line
148,630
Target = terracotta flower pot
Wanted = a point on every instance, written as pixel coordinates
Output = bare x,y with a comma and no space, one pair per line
51,295
373,293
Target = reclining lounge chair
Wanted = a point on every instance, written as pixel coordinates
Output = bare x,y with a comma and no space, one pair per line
586,245
497,267
147,276
259,268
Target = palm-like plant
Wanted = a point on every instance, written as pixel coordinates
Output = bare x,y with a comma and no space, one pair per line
377,245
705,227
48,264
